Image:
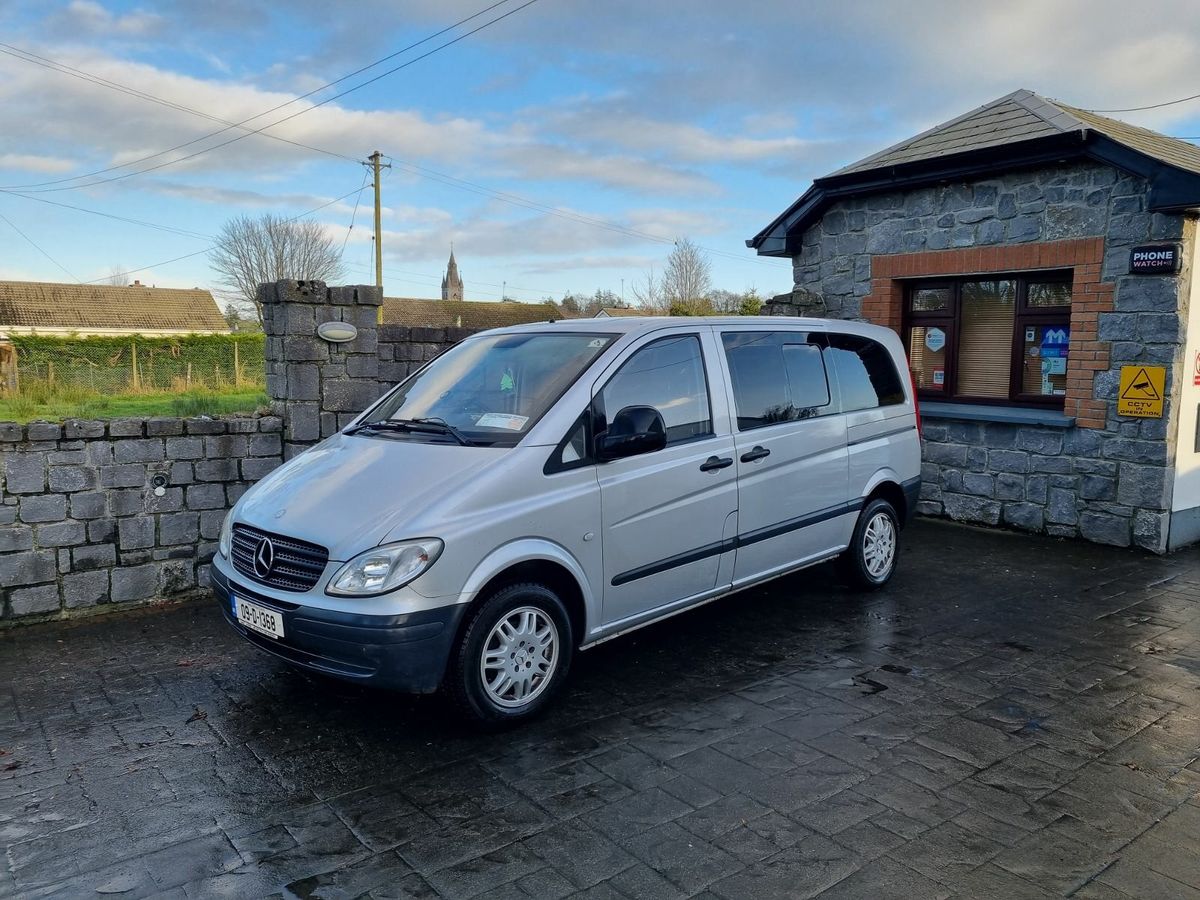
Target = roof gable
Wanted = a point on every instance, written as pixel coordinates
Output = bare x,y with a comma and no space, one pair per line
85,307
1018,130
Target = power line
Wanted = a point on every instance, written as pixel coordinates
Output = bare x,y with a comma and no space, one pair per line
64,69
1151,106
241,137
169,229
28,56
38,248
413,168
176,259
357,200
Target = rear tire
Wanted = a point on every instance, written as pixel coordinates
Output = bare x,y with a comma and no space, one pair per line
870,560
513,657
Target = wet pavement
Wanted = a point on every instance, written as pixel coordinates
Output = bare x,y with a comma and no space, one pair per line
1015,717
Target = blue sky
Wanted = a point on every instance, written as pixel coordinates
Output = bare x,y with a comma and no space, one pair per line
701,119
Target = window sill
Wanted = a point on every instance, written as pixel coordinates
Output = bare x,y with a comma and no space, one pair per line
1013,415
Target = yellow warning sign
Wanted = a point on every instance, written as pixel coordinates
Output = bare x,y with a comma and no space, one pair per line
1141,392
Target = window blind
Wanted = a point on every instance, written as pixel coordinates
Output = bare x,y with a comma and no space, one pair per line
986,338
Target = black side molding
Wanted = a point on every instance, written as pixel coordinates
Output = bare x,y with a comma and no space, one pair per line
742,540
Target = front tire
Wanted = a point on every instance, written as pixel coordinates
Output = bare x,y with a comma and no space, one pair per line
870,560
513,657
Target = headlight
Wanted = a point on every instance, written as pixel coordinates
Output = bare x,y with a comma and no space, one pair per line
225,541
385,568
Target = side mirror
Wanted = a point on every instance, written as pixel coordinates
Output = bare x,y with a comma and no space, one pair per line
634,430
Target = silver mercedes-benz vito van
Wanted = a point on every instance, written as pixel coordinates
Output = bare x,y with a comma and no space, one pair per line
538,489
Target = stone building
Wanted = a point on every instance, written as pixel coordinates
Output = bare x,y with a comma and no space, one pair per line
452,284
1037,260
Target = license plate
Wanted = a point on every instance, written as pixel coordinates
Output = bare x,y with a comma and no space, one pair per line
258,618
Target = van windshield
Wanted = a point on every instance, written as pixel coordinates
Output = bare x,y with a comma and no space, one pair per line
491,390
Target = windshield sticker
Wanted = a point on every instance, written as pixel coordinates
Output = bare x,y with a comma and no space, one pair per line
501,420
598,343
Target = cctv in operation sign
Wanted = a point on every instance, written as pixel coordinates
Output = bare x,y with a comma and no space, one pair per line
1141,391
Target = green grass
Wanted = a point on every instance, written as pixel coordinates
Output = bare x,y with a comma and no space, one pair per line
57,406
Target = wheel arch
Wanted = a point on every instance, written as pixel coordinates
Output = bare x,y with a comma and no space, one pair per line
538,561
886,485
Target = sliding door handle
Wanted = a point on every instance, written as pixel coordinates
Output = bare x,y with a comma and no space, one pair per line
716,462
755,454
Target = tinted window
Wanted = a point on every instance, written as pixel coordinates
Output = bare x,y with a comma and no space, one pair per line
806,379
668,375
865,373
776,377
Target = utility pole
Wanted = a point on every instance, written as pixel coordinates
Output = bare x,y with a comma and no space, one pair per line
375,160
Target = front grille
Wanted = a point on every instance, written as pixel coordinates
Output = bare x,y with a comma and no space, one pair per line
298,564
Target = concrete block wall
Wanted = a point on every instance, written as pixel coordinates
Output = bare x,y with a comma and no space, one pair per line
108,512
403,350
316,386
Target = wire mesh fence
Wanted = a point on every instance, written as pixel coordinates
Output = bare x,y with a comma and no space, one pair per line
134,364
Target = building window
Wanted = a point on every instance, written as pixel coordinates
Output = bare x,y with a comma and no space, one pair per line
1001,339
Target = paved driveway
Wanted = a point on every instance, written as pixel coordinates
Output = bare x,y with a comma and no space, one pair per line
1015,717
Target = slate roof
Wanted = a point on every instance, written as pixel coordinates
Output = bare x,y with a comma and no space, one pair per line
1019,130
84,307
415,312
1018,117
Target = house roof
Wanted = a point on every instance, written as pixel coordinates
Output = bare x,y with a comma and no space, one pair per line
1018,130
87,307
415,312
625,311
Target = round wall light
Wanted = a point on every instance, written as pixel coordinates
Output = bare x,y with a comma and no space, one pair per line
337,332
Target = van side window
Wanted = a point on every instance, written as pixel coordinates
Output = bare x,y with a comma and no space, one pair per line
573,450
667,374
866,375
777,376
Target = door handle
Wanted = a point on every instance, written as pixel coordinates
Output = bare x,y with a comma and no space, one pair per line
716,462
755,454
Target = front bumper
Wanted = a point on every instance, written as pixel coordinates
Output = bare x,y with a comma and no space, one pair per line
406,652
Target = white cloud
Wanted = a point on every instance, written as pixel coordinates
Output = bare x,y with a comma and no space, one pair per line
28,162
547,162
88,18
570,263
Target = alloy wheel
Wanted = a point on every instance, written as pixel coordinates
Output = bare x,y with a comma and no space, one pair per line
520,657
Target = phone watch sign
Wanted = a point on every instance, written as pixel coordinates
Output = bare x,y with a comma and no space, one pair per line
1154,259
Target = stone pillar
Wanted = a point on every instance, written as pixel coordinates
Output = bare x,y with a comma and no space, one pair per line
317,386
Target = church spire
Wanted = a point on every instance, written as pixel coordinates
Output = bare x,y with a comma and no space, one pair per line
452,285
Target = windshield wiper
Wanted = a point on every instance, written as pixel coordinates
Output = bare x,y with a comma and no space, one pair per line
428,426
445,427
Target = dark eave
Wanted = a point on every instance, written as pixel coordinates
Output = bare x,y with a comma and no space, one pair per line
1171,188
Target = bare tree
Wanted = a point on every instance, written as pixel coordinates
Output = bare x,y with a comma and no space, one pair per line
687,278
648,293
116,276
249,252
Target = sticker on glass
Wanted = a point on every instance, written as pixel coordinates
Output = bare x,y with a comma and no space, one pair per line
501,420
598,343
1055,342
935,339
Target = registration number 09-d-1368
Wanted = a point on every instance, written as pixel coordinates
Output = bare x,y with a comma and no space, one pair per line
258,618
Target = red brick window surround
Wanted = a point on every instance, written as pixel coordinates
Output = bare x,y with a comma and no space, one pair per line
1089,297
